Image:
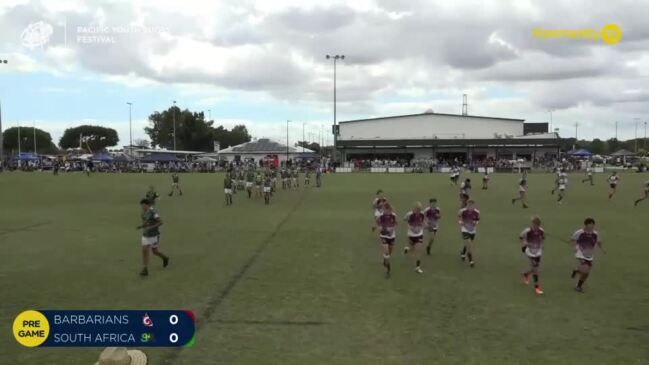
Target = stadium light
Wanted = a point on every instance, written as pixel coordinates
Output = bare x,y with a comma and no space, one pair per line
335,58
173,114
130,126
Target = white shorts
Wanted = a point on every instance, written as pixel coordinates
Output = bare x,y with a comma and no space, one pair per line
377,213
529,253
173,185
249,185
228,191
562,187
150,241
266,189
580,255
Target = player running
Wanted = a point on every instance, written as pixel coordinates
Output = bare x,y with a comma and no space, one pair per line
556,181
465,190
532,239
378,205
415,219
433,215
267,189
562,182
259,181
522,191
175,184
387,223
295,179
150,227
585,240
250,182
307,177
589,176
613,180
485,180
646,193
152,195
228,185
468,219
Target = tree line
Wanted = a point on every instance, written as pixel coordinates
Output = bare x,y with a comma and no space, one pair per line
193,133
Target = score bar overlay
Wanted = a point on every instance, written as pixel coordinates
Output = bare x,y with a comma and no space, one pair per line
121,328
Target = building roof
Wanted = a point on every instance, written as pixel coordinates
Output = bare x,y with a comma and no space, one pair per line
263,146
428,113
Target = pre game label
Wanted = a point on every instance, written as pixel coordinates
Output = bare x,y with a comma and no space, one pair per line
104,328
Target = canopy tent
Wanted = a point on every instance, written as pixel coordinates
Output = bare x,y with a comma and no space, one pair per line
206,159
159,157
622,153
27,157
580,153
102,157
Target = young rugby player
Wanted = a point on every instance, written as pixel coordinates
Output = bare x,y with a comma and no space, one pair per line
175,184
522,190
307,177
387,223
250,180
465,190
613,180
150,227
584,241
267,188
433,215
228,184
152,195
646,193
589,176
485,180
415,219
562,183
468,219
532,239
378,205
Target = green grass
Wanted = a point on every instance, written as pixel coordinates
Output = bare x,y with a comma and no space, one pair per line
300,282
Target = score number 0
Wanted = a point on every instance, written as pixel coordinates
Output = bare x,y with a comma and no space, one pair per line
173,319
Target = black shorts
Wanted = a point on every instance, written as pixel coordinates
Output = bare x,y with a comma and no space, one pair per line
613,186
387,241
535,261
468,236
586,262
415,240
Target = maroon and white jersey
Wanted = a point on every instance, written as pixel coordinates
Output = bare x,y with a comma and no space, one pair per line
585,244
387,225
613,179
415,223
378,205
469,218
646,186
533,239
432,216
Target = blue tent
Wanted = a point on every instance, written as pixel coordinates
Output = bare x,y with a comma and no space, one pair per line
102,157
159,157
580,153
27,157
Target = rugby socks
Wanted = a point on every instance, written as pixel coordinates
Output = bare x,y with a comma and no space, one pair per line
535,277
470,256
418,263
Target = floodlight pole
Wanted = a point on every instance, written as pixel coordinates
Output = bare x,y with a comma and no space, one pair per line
130,127
335,126
636,134
288,121
173,115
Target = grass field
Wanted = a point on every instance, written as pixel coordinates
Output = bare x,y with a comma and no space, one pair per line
300,281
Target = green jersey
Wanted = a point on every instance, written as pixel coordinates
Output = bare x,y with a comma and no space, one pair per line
150,218
151,196
227,183
175,178
250,177
258,179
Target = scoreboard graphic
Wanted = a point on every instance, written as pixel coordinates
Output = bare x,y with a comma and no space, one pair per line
89,328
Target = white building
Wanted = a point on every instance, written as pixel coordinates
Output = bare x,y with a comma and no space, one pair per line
264,149
445,136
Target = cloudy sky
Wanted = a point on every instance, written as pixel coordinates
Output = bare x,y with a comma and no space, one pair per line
262,62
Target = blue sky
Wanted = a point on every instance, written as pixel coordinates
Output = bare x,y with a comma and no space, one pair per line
259,64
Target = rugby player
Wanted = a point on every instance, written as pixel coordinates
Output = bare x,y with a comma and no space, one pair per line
522,191
228,184
613,180
584,241
468,219
387,223
150,227
532,239
433,215
175,184
646,193
415,219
